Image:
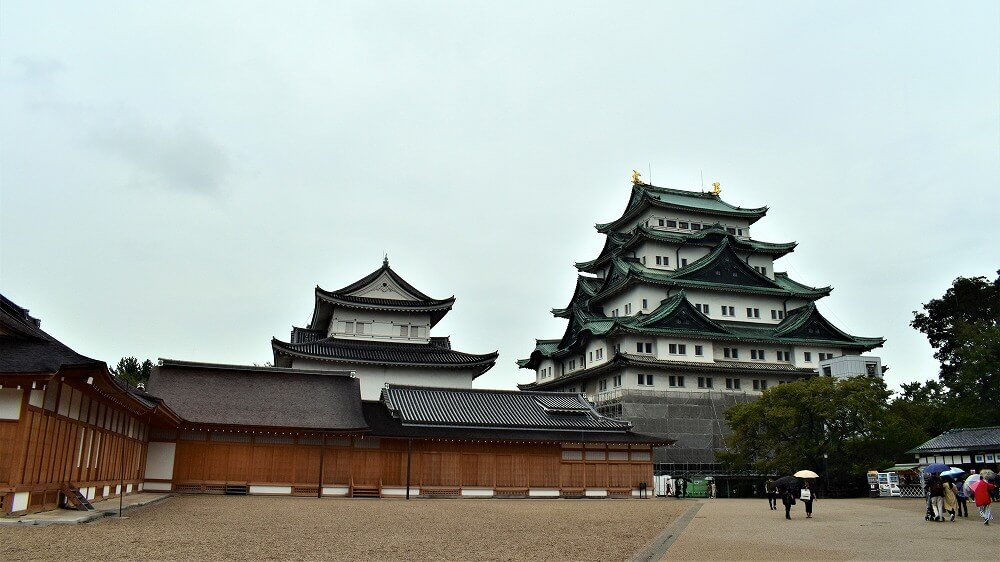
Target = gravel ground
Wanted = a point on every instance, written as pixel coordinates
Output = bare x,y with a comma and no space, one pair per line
269,528
855,529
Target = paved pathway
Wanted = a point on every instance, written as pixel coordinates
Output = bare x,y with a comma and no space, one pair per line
853,529
104,508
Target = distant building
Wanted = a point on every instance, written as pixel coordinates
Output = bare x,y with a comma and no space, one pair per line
683,315
380,328
971,448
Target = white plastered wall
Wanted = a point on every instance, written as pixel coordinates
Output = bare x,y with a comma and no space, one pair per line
160,460
374,377
10,403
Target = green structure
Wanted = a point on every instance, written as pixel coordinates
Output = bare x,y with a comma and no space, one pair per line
681,316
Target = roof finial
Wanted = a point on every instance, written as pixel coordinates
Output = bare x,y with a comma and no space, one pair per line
716,190
385,260
637,179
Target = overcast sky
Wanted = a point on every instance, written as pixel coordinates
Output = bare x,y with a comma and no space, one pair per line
177,177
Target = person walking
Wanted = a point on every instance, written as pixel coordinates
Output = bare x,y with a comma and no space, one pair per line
936,489
962,499
806,495
788,500
772,494
983,500
950,496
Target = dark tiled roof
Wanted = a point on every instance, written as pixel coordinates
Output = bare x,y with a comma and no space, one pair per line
425,406
26,348
327,300
384,425
437,353
645,196
964,439
258,396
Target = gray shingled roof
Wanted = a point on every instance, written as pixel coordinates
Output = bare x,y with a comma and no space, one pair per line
426,406
434,354
963,439
27,348
258,396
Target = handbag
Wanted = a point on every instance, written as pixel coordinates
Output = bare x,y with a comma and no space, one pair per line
805,494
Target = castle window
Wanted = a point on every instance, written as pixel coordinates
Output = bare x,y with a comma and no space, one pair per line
704,382
703,308
757,354
732,384
645,304
602,385
807,356
661,222
675,380
684,262
658,260
728,310
683,225
784,356
672,224
695,226
731,352
617,381
753,313
646,380
699,350
730,230
600,353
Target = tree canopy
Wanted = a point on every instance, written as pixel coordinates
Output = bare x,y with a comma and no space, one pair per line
820,423
131,371
963,326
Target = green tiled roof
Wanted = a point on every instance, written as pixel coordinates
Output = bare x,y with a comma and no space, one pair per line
618,243
720,270
677,317
646,196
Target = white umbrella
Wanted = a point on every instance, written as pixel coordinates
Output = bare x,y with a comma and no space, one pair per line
953,471
968,482
806,474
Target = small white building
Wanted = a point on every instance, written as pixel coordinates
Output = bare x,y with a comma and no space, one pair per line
380,328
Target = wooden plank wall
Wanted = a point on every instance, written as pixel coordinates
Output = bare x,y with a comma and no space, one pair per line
382,462
83,439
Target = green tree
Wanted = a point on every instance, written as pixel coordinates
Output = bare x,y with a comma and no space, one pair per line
131,371
963,327
820,423
920,412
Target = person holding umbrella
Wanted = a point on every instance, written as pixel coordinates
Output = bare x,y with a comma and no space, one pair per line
788,488
807,494
981,489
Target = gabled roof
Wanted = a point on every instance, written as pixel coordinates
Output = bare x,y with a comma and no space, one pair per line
381,281
676,316
239,395
617,244
26,348
586,288
648,196
543,348
436,407
437,353
985,439
806,323
721,270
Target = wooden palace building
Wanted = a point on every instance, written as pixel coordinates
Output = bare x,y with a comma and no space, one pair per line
682,315
363,402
